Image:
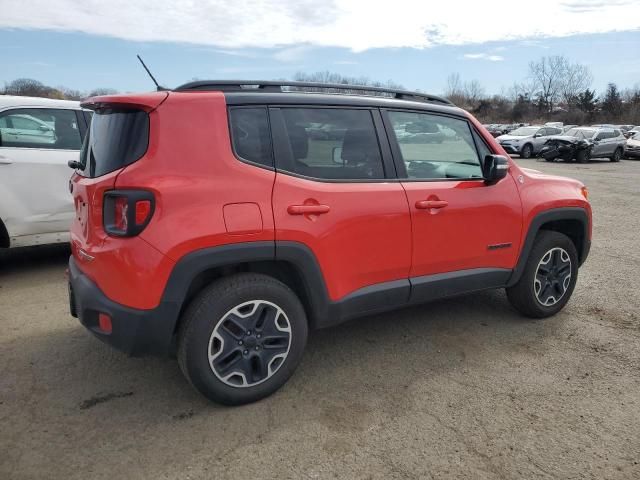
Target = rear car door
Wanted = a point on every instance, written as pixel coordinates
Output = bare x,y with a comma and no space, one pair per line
35,146
333,194
460,224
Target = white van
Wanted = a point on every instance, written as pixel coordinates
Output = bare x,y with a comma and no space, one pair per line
38,136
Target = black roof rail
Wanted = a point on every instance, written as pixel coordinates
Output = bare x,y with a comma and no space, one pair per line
277,86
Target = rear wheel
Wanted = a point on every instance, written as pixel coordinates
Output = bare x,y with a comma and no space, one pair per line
549,276
617,155
242,338
582,156
526,151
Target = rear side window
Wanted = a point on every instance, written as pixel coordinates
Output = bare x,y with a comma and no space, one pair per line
332,144
116,138
250,135
41,128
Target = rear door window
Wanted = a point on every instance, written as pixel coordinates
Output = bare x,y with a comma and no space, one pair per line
116,138
41,128
332,144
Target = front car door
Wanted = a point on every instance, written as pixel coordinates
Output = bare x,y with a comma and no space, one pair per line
600,147
35,146
333,195
465,232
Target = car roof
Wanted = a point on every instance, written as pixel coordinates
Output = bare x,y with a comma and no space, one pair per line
19,101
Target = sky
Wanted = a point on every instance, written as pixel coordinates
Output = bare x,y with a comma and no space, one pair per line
89,44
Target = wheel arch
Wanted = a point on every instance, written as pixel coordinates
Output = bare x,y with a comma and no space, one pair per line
571,221
289,262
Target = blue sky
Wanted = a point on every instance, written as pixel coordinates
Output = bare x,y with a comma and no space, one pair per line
417,54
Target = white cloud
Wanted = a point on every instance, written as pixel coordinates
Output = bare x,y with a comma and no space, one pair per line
355,24
484,56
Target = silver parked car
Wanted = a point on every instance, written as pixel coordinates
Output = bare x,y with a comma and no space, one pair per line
583,143
527,141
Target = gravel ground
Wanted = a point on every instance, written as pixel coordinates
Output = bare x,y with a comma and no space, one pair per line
462,388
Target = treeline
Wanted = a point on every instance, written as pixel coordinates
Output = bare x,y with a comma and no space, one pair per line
554,88
29,87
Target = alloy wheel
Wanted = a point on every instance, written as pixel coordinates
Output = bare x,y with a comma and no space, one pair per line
249,343
553,276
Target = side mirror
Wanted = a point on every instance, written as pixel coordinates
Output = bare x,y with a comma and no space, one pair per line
495,168
336,155
45,128
537,135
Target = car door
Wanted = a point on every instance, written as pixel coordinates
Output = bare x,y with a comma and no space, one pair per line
599,148
35,146
463,229
333,196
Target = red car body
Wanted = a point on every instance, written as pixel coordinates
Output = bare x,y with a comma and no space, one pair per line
336,243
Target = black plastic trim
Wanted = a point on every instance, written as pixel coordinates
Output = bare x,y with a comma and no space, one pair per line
565,213
139,332
442,285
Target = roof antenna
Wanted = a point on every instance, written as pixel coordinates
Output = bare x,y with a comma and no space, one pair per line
158,87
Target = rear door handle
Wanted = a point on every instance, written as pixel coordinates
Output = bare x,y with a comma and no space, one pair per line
307,209
426,204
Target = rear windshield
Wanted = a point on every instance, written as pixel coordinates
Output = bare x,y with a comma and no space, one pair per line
116,138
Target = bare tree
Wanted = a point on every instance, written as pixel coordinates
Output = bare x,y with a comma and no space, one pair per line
331,77
454,90
473,93
557,79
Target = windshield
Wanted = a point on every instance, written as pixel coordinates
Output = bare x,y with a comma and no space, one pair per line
524,131
580,133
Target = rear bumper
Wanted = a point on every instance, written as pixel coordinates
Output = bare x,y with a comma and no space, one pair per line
135,332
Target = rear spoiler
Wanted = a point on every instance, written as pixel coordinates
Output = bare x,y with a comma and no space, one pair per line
144,101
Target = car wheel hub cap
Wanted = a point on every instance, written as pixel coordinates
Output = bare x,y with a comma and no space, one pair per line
249,343
553,276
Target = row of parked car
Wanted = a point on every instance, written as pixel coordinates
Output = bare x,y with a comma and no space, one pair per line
554,141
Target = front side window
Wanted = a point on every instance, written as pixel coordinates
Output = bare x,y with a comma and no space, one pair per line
333,143
40,128
250,135
435,147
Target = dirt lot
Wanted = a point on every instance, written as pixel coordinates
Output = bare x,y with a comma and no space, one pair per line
463,388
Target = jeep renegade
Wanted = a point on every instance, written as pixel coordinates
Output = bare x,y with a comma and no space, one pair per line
225,220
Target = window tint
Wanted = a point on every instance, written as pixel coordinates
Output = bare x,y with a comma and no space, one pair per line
40,128
433,146
332,143
116,138
483,150
250,135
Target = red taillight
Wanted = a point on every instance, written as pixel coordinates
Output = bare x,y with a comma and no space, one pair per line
120,221
143,210
127,212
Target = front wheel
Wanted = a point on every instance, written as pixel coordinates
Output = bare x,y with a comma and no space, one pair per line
617,155
549,276
582,156
242,338
527,151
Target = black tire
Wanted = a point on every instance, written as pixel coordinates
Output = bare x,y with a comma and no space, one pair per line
526,151
617,155
582,156
523,295
196,339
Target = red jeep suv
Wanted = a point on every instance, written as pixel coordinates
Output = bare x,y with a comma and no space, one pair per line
224,220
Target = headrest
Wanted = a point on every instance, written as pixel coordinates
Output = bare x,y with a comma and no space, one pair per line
299,141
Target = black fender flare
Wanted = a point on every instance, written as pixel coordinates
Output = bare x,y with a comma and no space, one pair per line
563,213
